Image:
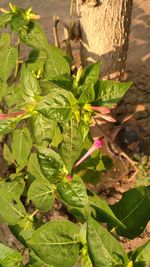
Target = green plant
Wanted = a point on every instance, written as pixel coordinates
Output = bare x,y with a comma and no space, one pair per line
44,126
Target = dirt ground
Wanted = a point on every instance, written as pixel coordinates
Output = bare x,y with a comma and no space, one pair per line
137,100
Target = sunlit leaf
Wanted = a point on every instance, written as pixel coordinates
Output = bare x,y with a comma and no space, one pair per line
56,237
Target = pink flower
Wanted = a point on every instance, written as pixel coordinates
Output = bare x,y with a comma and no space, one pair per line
96,145
107,118
4,116
102,110
69,177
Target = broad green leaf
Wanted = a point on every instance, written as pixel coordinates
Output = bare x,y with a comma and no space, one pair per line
16,187
73,192
7,154
57,138
36,61
42,128
57,105
104,250
90,74
72,143
41,193
48,86
30,84
5,39
110,92
55,65
34,261
133,211
33,35
8,57
14,95
11,208
141,255
18,20
9,257
103,211
63,81
56,238
78,212
87,93
33,167
24,229
7,126
21,146
51,165
84,129
3,89
5,19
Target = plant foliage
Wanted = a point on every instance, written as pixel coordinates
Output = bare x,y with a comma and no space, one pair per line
46,114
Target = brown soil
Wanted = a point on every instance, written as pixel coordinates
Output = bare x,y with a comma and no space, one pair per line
135,103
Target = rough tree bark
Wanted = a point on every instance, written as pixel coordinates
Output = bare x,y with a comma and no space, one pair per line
105,28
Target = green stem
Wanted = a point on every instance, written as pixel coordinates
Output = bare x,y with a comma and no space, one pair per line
17,62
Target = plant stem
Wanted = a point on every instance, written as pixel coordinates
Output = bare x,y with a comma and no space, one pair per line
17,62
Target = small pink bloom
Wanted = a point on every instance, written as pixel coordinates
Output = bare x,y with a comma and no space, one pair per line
69,177
4,116
96,145
107,118
102,110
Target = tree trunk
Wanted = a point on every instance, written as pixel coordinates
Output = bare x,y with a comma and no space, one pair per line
104,29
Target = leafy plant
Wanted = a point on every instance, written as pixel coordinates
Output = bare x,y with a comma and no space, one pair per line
46,114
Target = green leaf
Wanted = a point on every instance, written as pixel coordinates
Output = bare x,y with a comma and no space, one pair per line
57,138
71,145
23,230
133,211
3,89
47,86
42,128
36,60
34,261
141,255
55,65
21,146
34,167
5,19
9,257
14,95
8,57
33,35
90,74
63,81
51,165
11,208
56,238
110,92
7,126
104,250
41,193
7,154
57,105
73,192
30,84
104,212
18,20
87,93
16,187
